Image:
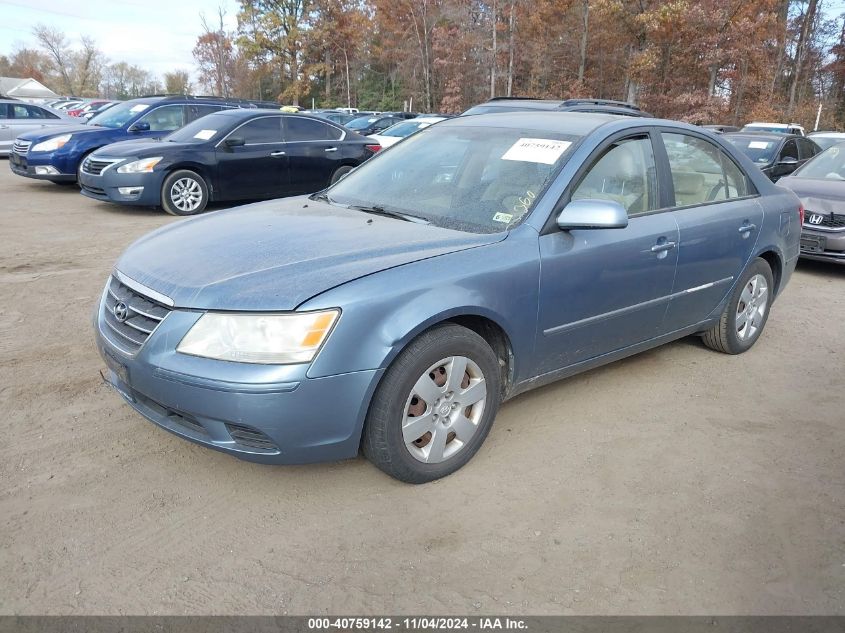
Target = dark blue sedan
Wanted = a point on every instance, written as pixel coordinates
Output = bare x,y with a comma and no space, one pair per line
484,256
238,154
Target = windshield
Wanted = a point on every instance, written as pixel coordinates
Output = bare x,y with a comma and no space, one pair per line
476,179
764,128
829,165
761,151
405,129
203,129
361,122
119,115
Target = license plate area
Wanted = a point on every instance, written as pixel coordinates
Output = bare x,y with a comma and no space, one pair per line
116,366
812,244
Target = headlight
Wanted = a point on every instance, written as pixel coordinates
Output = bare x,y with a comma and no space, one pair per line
52,144
259,338
145,165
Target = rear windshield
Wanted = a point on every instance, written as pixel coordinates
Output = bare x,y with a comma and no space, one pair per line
361,122
829,165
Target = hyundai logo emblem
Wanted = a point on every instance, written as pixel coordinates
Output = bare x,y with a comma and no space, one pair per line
120,311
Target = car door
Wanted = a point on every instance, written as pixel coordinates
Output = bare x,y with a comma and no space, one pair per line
257,167
7,137
315,151
716,209
604,290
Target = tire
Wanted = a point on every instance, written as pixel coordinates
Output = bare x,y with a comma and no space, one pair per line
419,395
340,173
192,201
746,313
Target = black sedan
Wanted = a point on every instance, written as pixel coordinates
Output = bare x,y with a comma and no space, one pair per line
239,154
375,123
776,154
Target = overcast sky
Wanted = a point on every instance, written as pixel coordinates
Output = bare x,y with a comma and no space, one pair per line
157,35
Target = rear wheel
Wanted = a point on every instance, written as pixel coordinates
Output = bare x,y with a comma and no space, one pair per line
434,406
340,173
746,313
184,192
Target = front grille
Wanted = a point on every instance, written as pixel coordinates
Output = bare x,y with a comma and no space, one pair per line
831,220
251,438
95,166
21,147
141,315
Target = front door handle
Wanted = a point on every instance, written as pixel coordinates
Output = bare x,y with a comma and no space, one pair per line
276,154
745,228
331,149
663,247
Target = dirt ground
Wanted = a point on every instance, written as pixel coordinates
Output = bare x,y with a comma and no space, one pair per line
680,481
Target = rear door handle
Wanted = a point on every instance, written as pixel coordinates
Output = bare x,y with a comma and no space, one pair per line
276,154
662,248
745,228
331,149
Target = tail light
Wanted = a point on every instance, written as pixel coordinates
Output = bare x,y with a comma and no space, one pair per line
800,215
375,148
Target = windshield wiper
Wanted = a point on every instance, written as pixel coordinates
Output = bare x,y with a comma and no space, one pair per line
321,195
378,210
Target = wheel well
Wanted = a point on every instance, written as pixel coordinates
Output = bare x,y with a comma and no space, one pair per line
777,268
197,169
497,338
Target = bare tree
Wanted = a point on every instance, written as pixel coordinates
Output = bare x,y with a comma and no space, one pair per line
57,47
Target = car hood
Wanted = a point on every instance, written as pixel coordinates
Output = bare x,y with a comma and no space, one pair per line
819,195
137,147
275,255
48,133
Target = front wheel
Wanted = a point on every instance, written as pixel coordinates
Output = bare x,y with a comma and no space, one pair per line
746,313
184,192
434,406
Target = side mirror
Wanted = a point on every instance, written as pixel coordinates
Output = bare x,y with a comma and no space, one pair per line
140,126
785,165
592,214
234,141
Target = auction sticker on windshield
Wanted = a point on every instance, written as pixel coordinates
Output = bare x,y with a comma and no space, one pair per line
758,145
204,135
139,107
536,150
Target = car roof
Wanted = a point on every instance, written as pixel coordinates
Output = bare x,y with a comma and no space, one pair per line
574,123
770,136
827,134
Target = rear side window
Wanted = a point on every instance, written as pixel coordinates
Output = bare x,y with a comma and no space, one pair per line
164,119
806,148
4,111
267,129
626,174
701,172
299,128
21,111
194,112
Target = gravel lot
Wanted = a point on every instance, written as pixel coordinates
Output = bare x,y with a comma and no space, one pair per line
680,481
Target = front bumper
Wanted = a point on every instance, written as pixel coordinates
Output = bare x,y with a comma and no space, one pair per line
28,168
273,414
133,189
823,245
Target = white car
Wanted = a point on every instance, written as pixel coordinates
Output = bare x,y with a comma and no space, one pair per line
827,139
397,132
785,128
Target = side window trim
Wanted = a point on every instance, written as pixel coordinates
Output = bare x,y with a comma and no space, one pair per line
669,186
327,122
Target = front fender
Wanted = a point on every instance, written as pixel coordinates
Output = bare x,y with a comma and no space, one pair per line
383,312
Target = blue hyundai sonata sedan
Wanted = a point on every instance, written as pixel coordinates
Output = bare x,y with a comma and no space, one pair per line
484,256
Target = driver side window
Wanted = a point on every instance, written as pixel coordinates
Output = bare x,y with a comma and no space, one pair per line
164,119
626,174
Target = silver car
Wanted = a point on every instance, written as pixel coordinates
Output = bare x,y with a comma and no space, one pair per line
18,117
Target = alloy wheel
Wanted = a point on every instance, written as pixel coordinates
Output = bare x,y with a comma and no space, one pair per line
186,194
751,308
